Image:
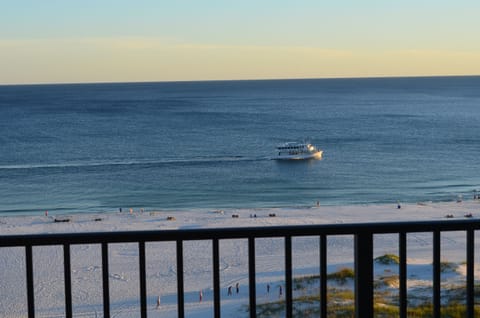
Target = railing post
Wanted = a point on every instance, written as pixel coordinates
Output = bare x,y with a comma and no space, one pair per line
402,274
216,278
180,288
364,275
30,290
436,274
143,279
288,277
323,276
251,277
68,280
470,273
105,277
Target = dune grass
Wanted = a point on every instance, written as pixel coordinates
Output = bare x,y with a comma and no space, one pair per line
340,300
388,259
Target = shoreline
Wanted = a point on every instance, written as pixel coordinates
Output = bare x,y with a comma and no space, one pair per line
140,219
445,199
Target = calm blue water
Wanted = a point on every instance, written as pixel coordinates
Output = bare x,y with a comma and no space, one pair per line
98,147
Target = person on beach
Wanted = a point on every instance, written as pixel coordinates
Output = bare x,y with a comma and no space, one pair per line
237,287
268,288
158,302
200,296
280,291
229,291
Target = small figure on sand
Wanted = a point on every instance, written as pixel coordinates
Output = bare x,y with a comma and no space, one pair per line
237,287
200,296
280,291
158,302
398,205
46,213
318,204
229,291
268,288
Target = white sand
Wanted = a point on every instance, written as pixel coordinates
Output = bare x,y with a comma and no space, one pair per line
161,263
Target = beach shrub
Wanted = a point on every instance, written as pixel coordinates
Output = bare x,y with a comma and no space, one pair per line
388,259
272,309
477,290
382,310
303,281
446,267
386,281
340,303
342,275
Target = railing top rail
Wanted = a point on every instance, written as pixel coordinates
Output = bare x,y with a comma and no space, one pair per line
238,233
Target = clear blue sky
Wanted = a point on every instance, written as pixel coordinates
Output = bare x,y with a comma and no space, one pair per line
83,41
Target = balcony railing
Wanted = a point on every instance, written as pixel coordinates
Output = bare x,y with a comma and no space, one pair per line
363,234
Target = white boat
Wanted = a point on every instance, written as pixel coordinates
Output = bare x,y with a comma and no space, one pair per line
298,151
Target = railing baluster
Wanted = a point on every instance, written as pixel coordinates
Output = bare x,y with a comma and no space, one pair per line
30,290
288,276
323,276
402,274
68,280
105,277
470,273
251,277
143,280
436,273
363,275
216,278
180,288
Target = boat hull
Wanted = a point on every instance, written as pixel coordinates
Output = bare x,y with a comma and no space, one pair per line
315,155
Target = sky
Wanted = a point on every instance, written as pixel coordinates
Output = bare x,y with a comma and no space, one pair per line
59,41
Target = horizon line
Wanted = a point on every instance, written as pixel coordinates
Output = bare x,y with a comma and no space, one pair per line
238,80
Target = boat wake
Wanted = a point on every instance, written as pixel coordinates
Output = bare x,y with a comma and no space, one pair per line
183,161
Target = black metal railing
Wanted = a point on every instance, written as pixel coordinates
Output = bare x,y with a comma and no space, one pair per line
363,234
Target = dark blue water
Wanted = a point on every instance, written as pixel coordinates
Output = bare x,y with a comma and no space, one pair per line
185,145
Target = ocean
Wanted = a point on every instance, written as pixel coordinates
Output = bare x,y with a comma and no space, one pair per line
208,145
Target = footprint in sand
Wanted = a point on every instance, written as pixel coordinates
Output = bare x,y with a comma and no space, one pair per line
92,268
118,277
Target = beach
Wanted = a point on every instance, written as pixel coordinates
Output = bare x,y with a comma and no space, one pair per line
161,266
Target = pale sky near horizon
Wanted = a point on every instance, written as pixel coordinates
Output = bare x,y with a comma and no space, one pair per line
58,41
